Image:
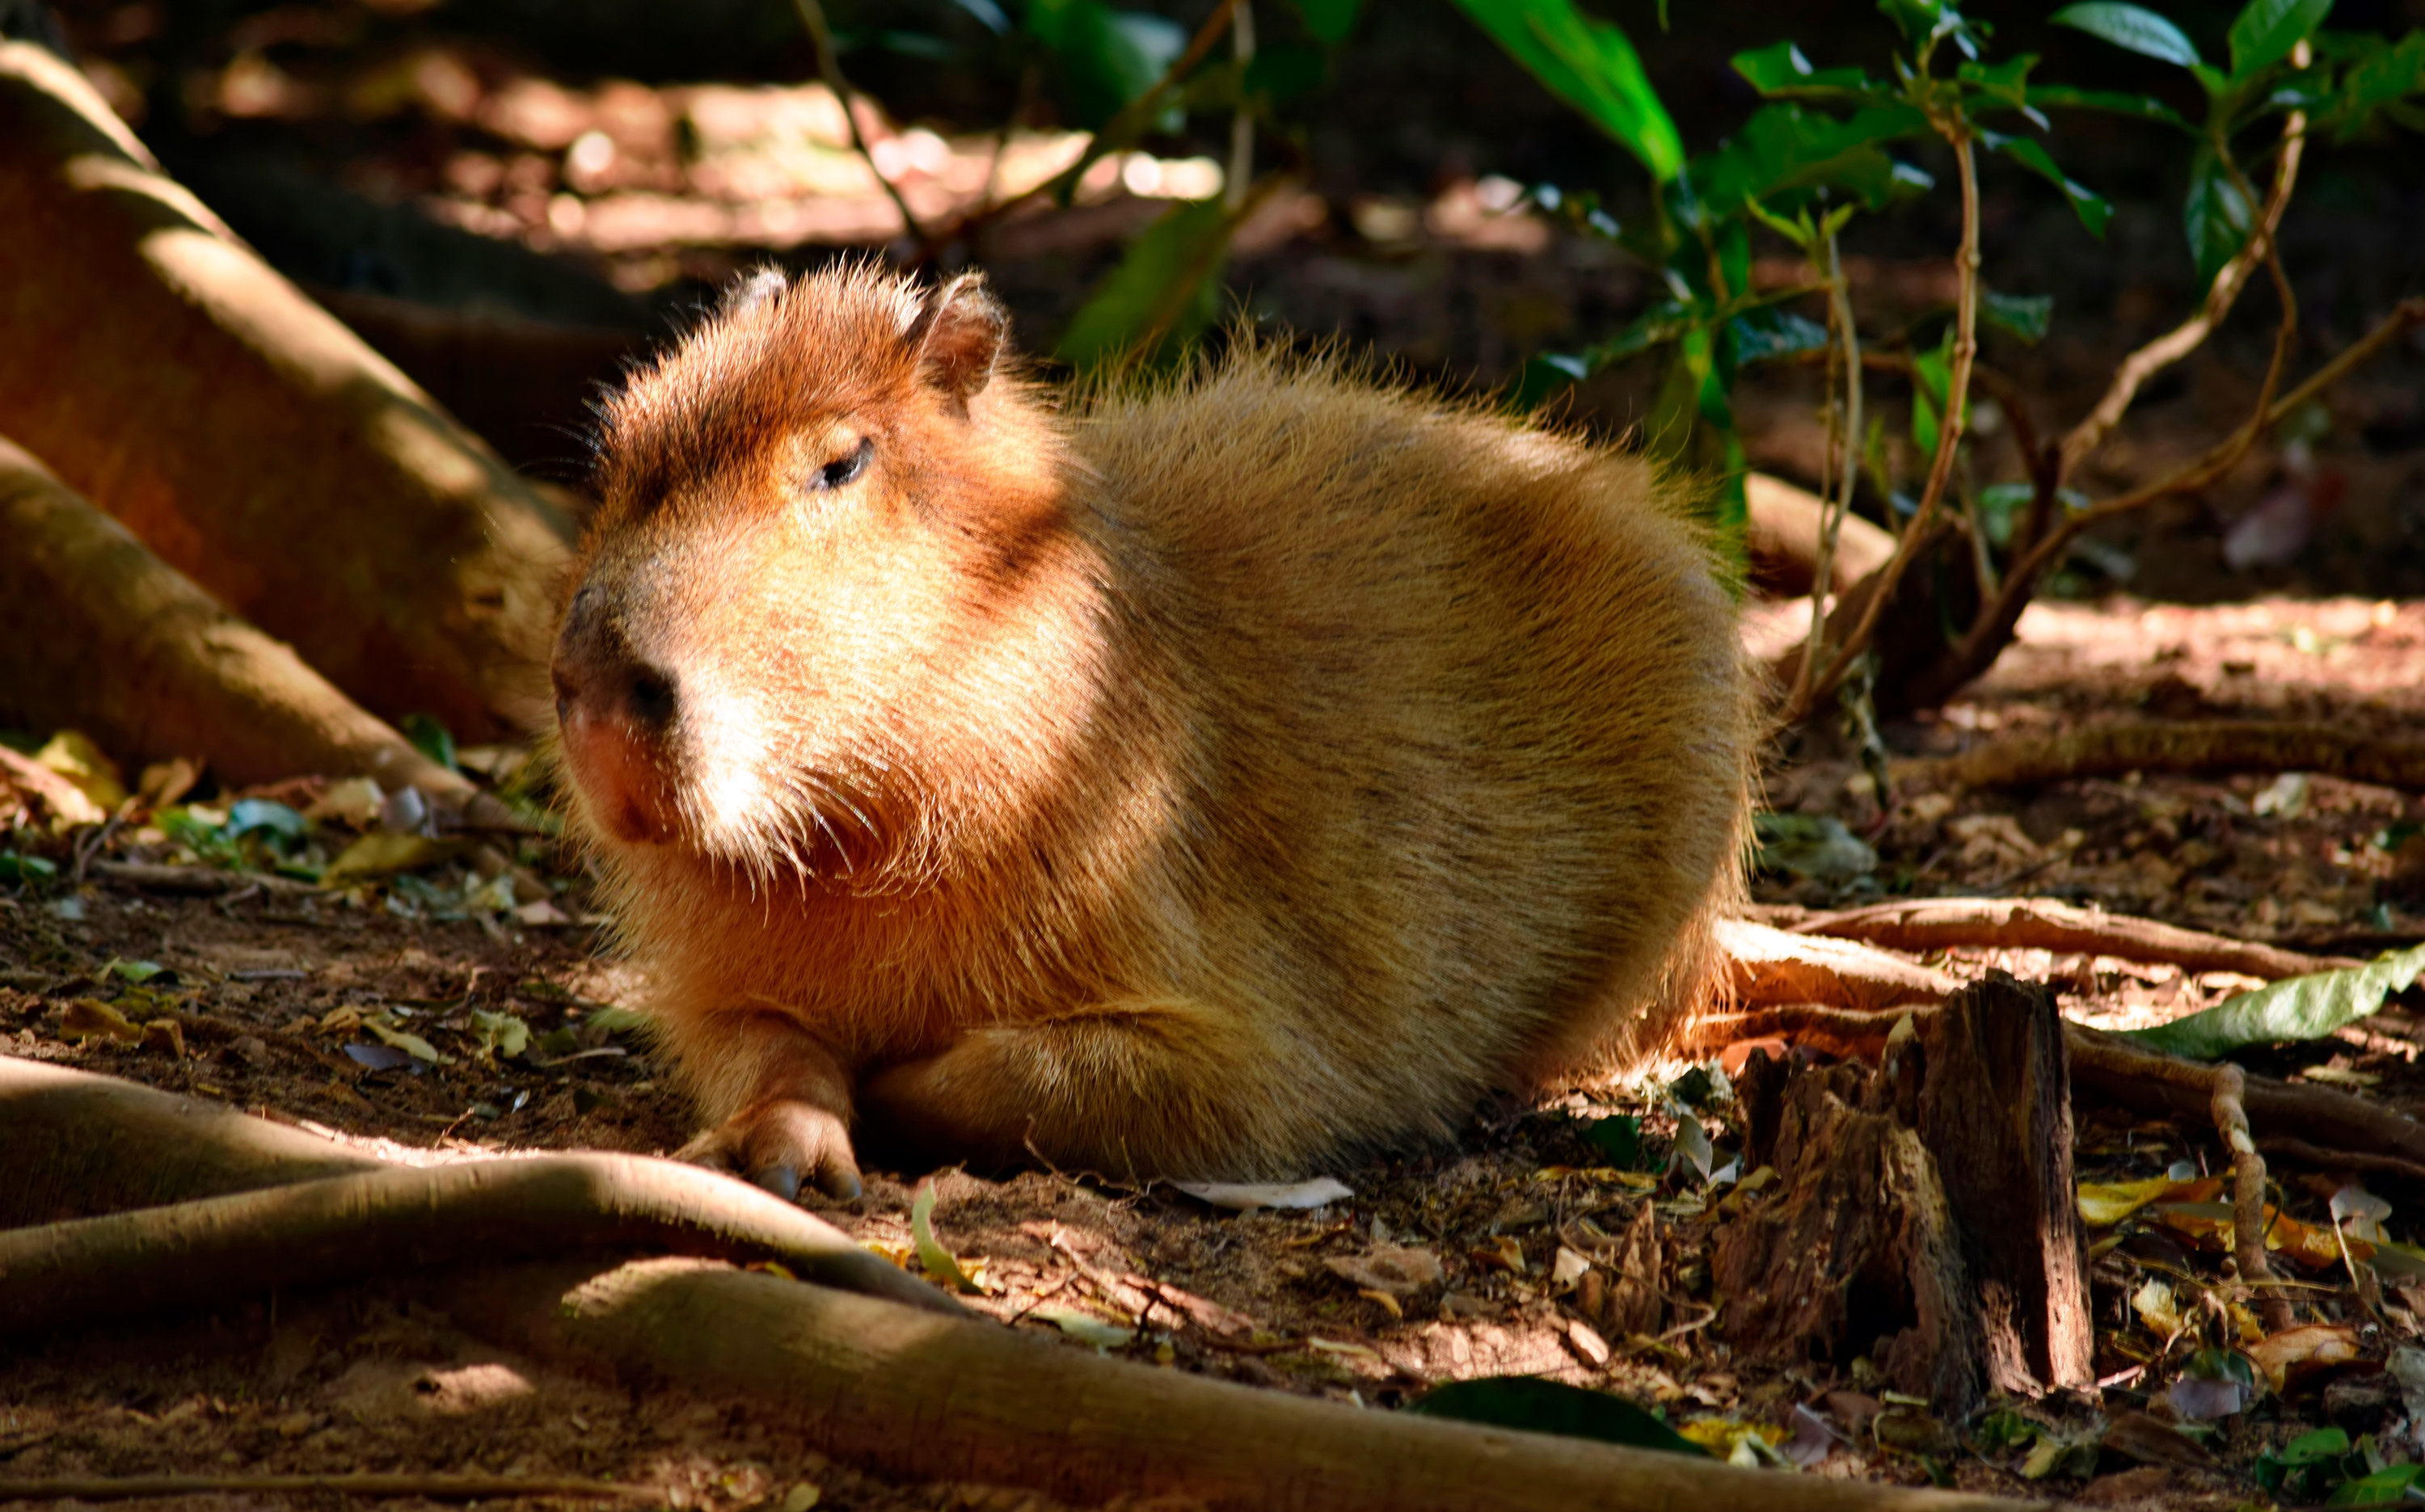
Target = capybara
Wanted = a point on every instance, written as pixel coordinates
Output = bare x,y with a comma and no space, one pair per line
1222,777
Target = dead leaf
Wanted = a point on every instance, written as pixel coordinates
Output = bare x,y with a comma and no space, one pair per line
1588,1342
2303,1352
381,854
80,761
2152,1441
1503,1253
1399,1270
1243,1196
89,1018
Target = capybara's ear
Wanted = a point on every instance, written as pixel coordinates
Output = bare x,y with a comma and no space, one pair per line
752,289
957,337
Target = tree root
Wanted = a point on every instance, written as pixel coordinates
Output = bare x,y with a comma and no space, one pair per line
1920,925
107,638
1767,966
871,1380
219,1250
2187,747
871,1383
432,1488
171,377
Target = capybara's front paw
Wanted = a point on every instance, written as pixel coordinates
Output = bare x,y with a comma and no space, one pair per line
780,1143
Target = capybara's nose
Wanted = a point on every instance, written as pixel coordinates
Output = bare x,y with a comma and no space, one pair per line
599,677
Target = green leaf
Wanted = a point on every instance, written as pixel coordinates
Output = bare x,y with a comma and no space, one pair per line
1331,21
1811,845
2217,216
1106,58
2380,77
1924,22
2025,315
1618,1140
2301,1008
2135,27
1766,335
2265,31
941,1265
1784,148
1537,1406
1590,64
2114,101
431,739
246,815
17,866
2093,208
2386,1486
2004,84
1781,72
1165,290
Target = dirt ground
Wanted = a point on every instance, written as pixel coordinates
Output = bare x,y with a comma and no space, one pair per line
276,997
472,1005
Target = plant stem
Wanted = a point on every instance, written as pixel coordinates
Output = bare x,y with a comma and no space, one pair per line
2169,348
812,16
1949,434
1844,440
1242,123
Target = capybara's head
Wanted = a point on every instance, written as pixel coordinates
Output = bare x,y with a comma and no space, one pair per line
808,510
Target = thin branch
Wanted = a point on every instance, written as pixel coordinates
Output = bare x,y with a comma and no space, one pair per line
1949,437
2177,343
1844,443
1242,123
812,16
1125,126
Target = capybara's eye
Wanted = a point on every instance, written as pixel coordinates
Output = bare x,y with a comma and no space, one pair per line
843,469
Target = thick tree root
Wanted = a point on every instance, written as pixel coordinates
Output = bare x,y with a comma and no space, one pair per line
219,1250
319,1226
2197,747
1920,925
910,1393
428,1488
1767,968
106,637
169,376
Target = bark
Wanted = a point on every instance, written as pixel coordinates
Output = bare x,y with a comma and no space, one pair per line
1922,925
166,373
1995,1110
2206,747
1857,1252
101,636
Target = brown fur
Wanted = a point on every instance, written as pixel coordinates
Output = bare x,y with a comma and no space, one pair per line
1216,779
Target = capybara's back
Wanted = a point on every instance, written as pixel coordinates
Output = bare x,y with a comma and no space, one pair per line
1222,778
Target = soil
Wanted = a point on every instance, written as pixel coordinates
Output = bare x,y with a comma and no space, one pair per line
315,1009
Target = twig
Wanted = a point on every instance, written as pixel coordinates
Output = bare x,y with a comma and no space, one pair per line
1949,437
2002,610
1125,126
2169,348
1844,444
1242,123
2224,1087
196,882
2190,747
812,16
437,1488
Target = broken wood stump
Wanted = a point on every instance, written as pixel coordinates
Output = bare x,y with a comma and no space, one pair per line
1925,1215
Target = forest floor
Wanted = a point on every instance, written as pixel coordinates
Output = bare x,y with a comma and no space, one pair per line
314,1010
472,1006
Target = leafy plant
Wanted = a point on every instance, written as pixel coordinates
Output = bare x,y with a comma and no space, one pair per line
1826,146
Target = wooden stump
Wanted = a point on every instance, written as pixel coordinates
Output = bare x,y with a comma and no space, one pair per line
1926,1214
